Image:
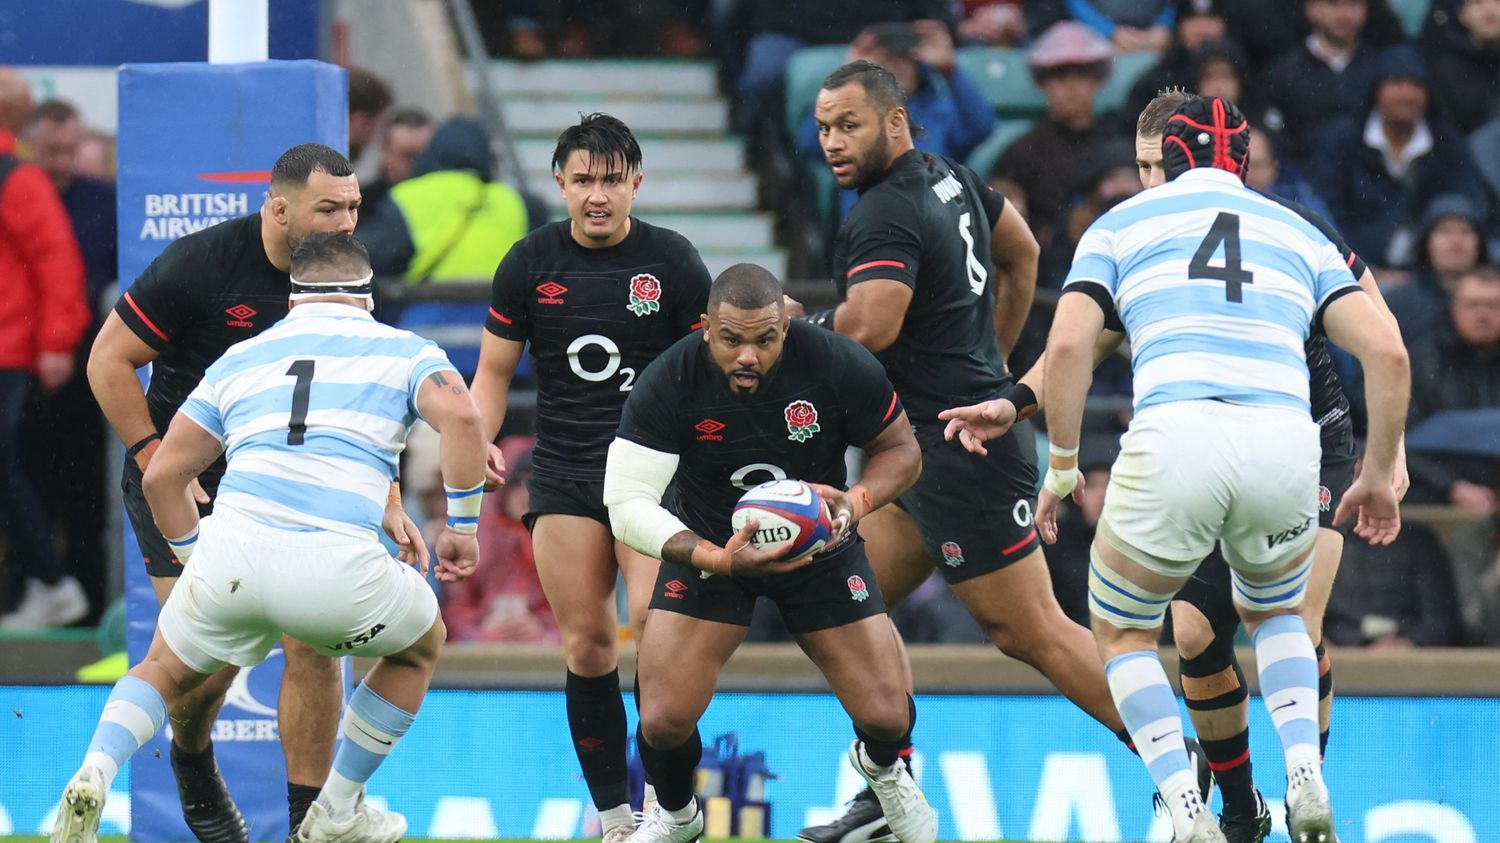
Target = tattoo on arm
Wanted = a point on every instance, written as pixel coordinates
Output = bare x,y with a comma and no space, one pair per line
440,380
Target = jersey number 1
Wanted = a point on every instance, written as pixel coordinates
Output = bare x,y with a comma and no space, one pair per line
1226,231
296,429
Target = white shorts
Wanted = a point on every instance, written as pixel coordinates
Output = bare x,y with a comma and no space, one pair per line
1191,473
248,584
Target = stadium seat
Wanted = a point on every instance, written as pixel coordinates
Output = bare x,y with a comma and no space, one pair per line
982,159
1128,68
805,73
1413,14
1006,81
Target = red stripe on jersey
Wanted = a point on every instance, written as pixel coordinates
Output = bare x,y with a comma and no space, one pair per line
889,410
696,325
1020,544
495,313
872,264
149,324
1352,256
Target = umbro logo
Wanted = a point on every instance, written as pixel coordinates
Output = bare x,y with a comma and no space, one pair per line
591,744
675,589
552,293
240,316
709,430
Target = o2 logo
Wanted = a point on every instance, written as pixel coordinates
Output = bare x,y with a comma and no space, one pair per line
611,361
748,477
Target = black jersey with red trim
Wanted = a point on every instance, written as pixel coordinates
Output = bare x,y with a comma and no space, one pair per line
926,224
826,393
1330,407
595,318
205,292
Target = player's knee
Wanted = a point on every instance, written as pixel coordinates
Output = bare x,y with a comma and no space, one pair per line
1192,634
590,652
663,727
1011,641
885,718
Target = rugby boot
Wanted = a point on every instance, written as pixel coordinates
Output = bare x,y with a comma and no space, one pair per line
78,813
1309,818
659,827
1247,828
368,824
863,822
906,810
207,807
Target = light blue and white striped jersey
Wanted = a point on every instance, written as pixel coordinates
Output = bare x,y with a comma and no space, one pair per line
314,414
1217,288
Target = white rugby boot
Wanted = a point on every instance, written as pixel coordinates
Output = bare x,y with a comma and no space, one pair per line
1204,829
78,813
659,827
1309,818
368,824
907,813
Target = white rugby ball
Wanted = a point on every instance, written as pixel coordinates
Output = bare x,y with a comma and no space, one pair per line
790,514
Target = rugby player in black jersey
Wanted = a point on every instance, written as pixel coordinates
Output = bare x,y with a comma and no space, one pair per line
598,296
203,293
755,397
937,273
1204,619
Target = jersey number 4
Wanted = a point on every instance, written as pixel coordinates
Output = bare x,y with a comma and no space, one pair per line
296,428
1226,232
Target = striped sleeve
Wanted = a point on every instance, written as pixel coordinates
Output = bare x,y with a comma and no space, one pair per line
1095,260
202,406
427,359
1334,274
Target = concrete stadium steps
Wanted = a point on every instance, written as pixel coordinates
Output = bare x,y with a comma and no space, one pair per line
617,77
697,179
718,260
659,155
549,113
719,231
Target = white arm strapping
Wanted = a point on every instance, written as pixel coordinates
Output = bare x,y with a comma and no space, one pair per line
635,478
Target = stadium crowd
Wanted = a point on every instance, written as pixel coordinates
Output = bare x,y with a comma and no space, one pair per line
1395,138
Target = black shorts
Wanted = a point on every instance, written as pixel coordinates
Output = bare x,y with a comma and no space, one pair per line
835,590
160,562
1209,589
975,513
556,496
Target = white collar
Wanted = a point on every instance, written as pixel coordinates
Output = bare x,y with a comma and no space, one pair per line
1420,144
1213,174
328,308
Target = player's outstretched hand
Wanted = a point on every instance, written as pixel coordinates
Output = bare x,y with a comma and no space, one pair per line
1373,502
1047,505
494,468
458,555
403,531
978,423
746,560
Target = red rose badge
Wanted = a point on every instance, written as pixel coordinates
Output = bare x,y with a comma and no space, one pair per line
645,294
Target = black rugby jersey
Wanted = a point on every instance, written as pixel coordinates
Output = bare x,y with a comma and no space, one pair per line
796,426
595,319
1330,407
205,292
927,224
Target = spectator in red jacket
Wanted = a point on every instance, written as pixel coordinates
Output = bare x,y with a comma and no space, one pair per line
42,317
503,601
